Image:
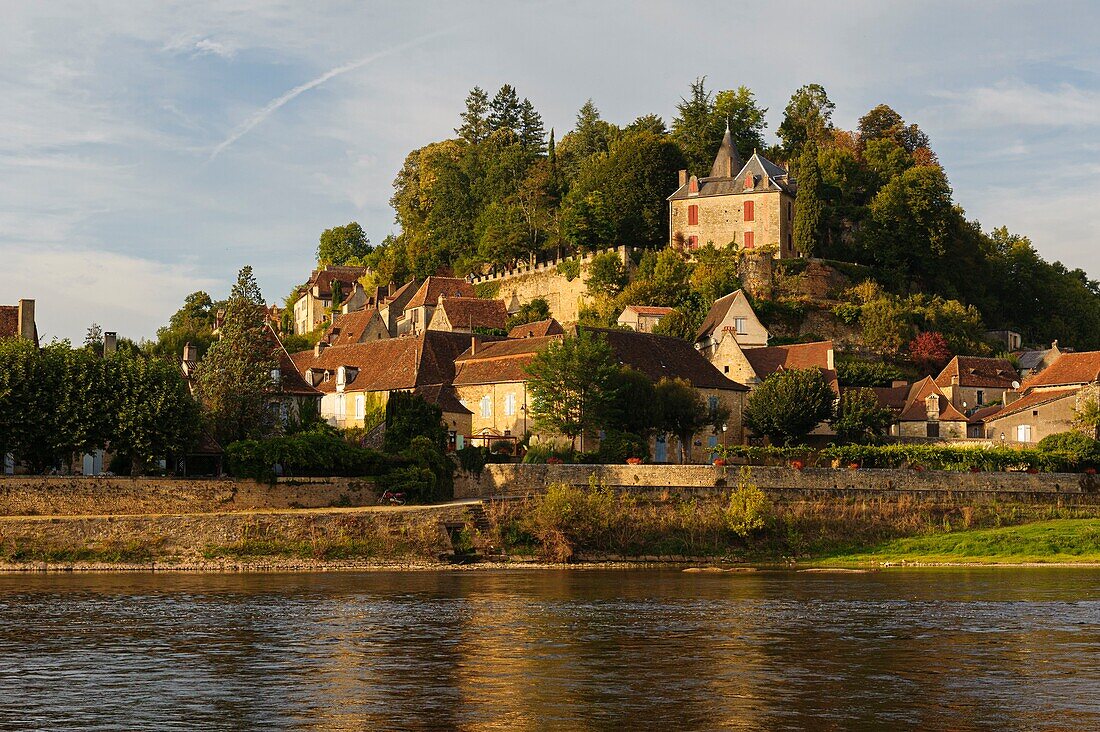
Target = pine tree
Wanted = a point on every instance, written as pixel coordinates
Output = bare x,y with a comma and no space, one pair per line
505,112
691,127
809,217
590,131
531,131
475,120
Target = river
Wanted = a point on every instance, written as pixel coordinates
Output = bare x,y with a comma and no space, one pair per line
955,649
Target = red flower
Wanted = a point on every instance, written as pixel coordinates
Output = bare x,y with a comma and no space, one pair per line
720,463
853,466
633,461
1090,471
797,464
1032,471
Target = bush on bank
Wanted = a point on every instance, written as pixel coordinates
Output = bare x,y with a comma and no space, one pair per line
307,454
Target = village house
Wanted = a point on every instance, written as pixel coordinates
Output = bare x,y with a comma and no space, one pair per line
730,327
359,326
972,382
1046,403
743,205
17,321
421,306
356,379
468,315
537,329
491,381
311,307
929,413
1032,362
642,318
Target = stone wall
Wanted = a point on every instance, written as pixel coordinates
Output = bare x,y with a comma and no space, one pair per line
518,480
40,495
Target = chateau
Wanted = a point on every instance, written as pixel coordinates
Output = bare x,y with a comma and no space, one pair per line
745,205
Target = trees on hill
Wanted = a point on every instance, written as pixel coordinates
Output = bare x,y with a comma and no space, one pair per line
346,244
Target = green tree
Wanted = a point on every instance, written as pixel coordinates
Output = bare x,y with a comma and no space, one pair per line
1086,415
572,385
532,133
234,380
505,111
475,120
807,119
809,217
789,404
409,416
530,312
606,275
156,415
860,418
634,407
681,411
346,244
701,121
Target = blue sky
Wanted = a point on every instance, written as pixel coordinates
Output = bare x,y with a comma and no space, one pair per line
150,150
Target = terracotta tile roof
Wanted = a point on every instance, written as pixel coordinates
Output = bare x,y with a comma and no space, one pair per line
323,279
1069,368
444,395
9,321
716,314
660,357
649,310
349,328
995,373
891,397
538,328
475,312
433,287
391,363
916,410
1030,401
500,362
979,415
766,361
290,379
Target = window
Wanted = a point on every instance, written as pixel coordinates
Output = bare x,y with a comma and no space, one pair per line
360,406
790,242
750,211
932,429
341,407
1023,433
486,406
712,404
725,369
981,397
693,215
750,241
739,325
509,405
693,185
790,211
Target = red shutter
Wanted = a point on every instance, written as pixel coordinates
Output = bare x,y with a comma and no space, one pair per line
749,243
750,211
693,242
693,215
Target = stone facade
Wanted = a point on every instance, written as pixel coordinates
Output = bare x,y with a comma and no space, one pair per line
498,409
721,221
1031,425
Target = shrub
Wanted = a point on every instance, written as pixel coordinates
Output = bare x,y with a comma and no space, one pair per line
748,509
847,313
570,269
866,373
616,447
542,453
320,454
567,517
1075,448
472,459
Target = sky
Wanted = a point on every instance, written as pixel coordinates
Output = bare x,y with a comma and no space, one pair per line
148,150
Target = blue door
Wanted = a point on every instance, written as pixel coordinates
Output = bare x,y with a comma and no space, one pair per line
660,450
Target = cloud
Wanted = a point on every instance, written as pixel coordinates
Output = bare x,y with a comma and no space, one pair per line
1018,104
245,127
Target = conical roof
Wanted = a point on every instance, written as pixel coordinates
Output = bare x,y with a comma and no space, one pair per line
727,162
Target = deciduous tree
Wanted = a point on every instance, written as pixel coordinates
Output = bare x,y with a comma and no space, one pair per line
789,404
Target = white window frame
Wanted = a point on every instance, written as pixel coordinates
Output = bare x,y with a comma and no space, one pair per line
1023,433
740,326
486,406
341,407
360,406
509,405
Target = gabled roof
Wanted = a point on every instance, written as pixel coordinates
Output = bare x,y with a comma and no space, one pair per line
757,165
501,361
649,310
660,357
323,279
406,290
392,363
349,328
766,361
718,312
891,397
1030,360
290,379
916,409
475,312
538,328
973,371
433,287
1068,369
1030,401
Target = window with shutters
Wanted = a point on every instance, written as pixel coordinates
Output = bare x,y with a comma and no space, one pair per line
509,404
693,215
739,324
750,211
750,240
486,406
693,242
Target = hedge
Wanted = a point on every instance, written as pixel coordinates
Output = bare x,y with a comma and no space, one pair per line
307,454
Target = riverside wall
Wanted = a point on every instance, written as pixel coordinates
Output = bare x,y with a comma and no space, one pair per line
78,495
782,482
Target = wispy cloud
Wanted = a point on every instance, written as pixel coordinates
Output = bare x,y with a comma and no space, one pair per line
245,127
1017,104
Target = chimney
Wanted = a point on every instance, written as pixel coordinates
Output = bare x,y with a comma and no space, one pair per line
473,345
110,343
829,360
190,352
319,348
955,380
27,329
683,177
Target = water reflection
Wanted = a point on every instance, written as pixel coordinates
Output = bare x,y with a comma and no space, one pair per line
928,649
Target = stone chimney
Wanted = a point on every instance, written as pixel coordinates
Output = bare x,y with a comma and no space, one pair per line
474,343
683,178
319,348
110,343
27,329
190,352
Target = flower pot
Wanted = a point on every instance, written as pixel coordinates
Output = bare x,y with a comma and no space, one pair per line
633,461
853,466
797,464
720,463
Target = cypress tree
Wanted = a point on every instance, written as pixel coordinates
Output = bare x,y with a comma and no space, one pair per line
809,216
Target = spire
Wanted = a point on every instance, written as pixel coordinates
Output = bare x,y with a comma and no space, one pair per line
727,163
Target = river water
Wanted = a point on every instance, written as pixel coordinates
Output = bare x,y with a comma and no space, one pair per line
954,649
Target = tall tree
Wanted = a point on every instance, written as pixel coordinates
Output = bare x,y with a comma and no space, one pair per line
701,121
532,134
809,217
682,412
475,120
789,404
807,118
346,244
505,111
234,379
157,416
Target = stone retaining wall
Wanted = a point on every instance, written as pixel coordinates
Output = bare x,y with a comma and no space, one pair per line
518,480
64,495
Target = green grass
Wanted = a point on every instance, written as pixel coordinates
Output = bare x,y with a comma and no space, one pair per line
1061,540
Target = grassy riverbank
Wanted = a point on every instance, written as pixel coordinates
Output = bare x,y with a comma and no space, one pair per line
1064,541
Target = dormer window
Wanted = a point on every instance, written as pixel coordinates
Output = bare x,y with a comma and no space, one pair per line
276,376
750,182
341,376
693,186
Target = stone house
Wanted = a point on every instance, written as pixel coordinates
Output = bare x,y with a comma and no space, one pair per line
311,307
1046,403
750,366
536,329
1032,362
642,318
972,382
17,321
420,308
730,327
356,327
468,315
356,379
929,413
743,205
491,382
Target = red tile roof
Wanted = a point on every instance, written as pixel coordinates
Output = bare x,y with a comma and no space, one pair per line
323,279
973,371
475,312
9,321
661,357
539,328
499,362
290,379
916,409
349,328
433,287
650,311
1030,401
1069,368
766,361
891,397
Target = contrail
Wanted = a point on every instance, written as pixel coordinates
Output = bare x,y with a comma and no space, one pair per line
245,127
